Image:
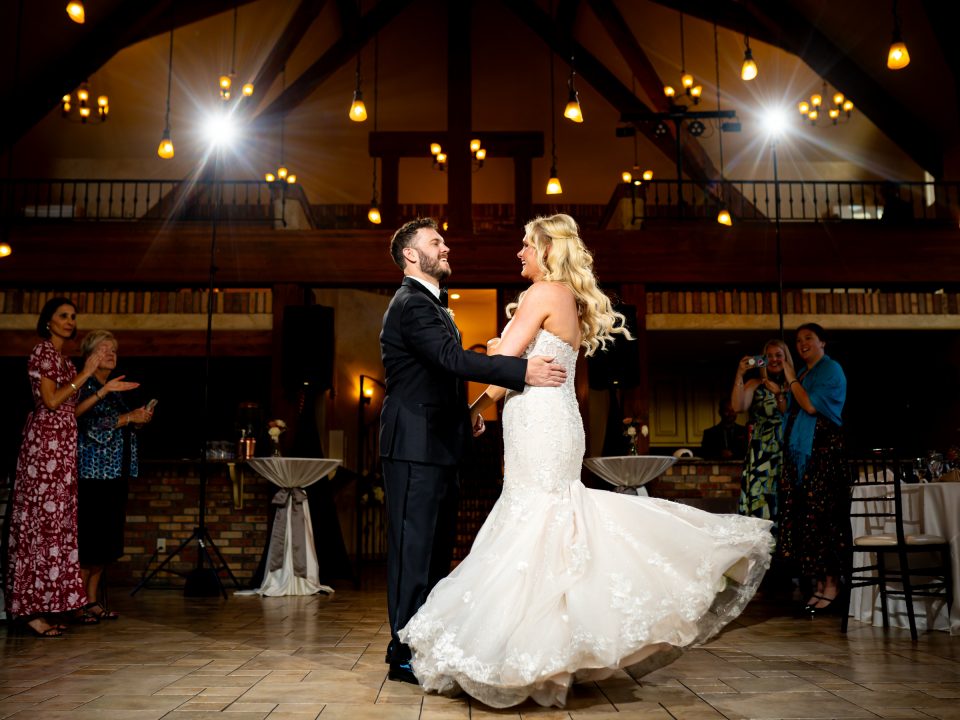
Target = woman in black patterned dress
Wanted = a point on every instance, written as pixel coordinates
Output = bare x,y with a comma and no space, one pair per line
107,456
815,514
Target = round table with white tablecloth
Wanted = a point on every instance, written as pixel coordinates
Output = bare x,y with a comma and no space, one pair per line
630,472
292,567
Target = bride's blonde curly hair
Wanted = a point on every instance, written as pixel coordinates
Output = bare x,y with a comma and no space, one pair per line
564,258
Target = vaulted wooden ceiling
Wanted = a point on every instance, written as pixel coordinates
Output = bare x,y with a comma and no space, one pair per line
844,43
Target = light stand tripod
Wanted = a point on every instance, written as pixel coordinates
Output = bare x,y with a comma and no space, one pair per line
204,579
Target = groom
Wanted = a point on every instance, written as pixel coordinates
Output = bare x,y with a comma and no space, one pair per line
425,423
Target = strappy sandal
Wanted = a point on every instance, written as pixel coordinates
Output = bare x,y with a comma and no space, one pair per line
104,614
52,631
84,617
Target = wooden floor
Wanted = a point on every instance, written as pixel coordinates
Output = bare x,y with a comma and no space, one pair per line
249,658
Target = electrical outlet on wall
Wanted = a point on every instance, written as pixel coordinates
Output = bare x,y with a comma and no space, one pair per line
161,545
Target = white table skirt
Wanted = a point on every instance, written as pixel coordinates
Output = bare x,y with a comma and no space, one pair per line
292,474
934,509
630,472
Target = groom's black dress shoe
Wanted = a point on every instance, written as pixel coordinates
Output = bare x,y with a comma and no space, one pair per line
402,672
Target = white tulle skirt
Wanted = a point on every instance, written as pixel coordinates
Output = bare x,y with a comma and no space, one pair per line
569,586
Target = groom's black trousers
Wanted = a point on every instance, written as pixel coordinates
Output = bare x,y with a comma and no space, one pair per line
421,524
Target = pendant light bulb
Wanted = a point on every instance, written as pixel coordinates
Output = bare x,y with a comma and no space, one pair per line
748,71
76,12
723,217
5,250
553,184
897,57
373,214
358,111
165,149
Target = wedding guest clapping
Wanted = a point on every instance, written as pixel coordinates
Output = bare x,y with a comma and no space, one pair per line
107,455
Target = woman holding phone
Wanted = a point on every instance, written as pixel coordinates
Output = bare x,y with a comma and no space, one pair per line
766,397
107,457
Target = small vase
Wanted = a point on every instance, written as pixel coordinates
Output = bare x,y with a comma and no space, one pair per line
275,447
631,447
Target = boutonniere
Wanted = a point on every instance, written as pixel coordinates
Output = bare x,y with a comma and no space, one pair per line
450,313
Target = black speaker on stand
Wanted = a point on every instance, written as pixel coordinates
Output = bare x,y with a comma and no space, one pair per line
616,370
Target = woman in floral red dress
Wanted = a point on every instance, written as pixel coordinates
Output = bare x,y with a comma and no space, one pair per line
43,571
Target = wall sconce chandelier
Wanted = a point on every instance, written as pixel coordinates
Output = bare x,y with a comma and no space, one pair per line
439,157
687,83
226,81
479,154
813,109
76,12
897,56
84,112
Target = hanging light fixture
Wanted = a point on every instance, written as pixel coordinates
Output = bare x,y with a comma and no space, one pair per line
573,111
358,111
748,71
841,108
373,214
84,110
553,183
283,174
687,84
897,56
226,81
76,12
165,149
5,250
633,175
723,215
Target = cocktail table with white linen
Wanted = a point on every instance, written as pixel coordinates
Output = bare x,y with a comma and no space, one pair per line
292,567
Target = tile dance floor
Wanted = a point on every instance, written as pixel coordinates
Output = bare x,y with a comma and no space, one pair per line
320,656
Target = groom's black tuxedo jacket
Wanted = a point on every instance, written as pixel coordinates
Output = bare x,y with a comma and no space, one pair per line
425,415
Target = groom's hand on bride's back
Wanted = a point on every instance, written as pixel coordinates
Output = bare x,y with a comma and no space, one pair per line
544,372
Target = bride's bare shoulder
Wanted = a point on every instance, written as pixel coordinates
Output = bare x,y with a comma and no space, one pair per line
548,292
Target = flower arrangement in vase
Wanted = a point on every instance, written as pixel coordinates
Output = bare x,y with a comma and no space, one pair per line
632,428
276,428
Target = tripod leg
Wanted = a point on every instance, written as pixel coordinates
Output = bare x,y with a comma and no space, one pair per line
223,562
161,566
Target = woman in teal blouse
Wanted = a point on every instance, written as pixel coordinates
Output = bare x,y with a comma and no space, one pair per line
106,458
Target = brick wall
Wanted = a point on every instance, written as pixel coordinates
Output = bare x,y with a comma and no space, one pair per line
713,486
164,503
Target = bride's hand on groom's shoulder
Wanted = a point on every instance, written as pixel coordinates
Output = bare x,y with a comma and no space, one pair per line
544,372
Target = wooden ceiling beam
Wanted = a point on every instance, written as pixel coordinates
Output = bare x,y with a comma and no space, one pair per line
306,12
346,47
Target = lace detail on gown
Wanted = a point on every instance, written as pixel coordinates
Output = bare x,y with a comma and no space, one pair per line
565,583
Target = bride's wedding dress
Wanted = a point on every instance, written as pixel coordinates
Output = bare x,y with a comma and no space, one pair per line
565,583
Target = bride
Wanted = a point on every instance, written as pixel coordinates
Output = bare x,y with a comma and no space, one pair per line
565,583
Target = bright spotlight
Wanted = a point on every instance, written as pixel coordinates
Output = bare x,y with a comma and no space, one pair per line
221,130
775,122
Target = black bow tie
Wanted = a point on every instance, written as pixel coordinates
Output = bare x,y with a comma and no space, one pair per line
443,297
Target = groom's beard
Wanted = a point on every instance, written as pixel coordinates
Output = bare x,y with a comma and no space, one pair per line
433,268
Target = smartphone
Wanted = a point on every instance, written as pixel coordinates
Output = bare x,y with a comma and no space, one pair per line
152,404
758,361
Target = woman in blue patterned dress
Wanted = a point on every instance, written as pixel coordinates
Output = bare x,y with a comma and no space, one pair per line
107,456
766,398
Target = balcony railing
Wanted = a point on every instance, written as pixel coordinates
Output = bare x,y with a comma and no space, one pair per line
800,200
258,202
